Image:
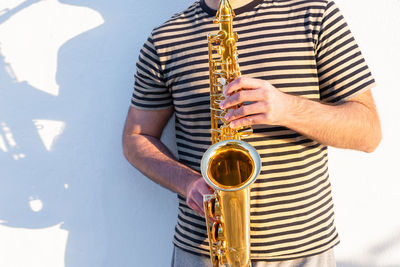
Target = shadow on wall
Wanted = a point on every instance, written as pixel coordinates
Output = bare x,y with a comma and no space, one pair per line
60,142
378,254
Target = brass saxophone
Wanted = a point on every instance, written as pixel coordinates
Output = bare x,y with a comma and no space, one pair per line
230,165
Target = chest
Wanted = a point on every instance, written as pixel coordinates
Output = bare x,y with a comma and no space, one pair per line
279,51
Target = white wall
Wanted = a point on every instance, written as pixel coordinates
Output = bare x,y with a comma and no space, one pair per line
67,195
366,185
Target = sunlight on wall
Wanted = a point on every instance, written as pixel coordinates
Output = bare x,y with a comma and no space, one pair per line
35,204
33,247
31,35
6,5
3,145
7,142
8,135
42,29
48,131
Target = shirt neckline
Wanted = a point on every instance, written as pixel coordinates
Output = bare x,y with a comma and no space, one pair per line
212,12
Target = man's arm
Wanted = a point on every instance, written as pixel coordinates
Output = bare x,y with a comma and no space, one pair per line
353,124
144,150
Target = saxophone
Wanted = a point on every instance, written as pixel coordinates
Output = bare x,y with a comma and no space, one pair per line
229,165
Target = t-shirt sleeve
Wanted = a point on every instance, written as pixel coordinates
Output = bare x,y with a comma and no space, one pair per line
150,91
342,70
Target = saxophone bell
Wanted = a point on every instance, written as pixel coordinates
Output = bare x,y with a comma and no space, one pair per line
230,165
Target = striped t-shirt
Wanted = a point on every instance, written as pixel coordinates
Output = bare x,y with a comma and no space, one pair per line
302,47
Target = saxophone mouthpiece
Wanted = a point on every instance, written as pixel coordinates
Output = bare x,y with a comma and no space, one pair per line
224,10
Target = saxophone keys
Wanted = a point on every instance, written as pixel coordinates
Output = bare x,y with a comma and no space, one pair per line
221,256
217,231
219,100
216,109
221,73
222,81
221,50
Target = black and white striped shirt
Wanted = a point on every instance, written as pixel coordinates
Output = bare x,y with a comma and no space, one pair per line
302,47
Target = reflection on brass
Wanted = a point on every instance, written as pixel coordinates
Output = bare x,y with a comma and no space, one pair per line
230,167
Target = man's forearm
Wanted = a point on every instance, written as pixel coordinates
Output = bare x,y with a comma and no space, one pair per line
352,124
150,156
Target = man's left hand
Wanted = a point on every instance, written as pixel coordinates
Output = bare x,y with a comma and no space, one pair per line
269,105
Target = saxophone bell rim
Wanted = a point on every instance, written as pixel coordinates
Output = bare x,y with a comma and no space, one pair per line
212,150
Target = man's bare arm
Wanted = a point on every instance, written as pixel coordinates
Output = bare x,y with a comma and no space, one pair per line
353,124
144,150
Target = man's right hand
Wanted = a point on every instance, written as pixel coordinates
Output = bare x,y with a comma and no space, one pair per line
194,194
144,150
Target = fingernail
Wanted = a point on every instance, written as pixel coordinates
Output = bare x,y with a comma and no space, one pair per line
222,104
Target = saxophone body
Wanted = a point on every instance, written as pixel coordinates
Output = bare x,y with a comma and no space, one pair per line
230,165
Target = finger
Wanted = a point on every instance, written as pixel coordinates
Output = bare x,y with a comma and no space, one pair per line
247,121
244,82
246,110
208,191
194,205
200,210
198,198
203,187
243,96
